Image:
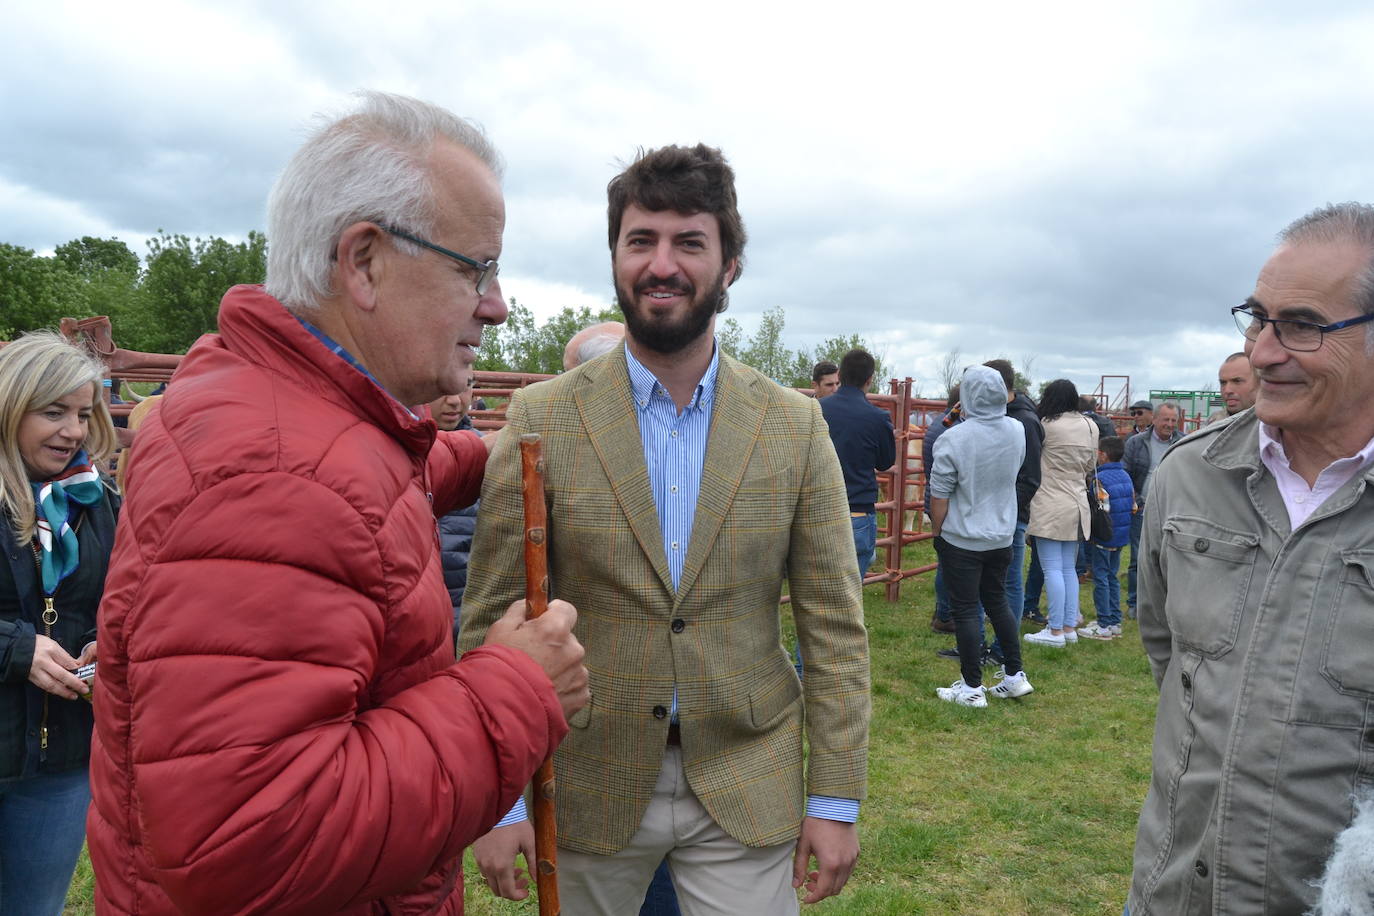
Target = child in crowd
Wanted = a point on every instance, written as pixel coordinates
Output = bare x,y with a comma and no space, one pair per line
1105,557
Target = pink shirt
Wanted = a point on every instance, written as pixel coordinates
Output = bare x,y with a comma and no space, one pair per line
1298,498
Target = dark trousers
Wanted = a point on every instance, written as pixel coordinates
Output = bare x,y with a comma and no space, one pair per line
662,898
1035,583
971,575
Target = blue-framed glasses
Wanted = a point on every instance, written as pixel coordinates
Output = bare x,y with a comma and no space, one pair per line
486,270
1301,336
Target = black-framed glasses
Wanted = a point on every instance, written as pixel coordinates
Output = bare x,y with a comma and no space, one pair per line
486,270
1300,336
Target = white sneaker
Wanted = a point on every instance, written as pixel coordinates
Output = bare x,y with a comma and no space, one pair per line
1045,638
1018,685
963,694
1116,630
1070,636
1097,631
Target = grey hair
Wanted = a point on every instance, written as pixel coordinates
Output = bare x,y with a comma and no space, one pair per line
1347,222
368,165
597,345
1178,411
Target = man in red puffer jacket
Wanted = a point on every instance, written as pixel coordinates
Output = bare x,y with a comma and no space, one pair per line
282,727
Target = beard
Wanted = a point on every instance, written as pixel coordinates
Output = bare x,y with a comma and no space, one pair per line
667,334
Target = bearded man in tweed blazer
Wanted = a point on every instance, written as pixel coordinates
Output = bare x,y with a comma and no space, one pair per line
683,488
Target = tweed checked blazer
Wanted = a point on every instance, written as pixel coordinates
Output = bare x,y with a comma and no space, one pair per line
772,507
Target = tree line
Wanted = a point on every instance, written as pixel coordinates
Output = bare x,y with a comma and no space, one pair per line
164,301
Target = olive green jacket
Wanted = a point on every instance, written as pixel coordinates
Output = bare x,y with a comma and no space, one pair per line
1262,641
772,507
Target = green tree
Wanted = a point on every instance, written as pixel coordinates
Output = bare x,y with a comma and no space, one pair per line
36,292
183,285
729,335
88,256
765,350
113,281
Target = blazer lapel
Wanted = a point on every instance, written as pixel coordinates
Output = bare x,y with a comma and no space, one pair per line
736,419
606,404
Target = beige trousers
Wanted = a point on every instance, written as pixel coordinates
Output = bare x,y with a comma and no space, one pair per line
715,874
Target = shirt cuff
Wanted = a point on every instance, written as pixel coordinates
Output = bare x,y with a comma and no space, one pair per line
831,809
518,814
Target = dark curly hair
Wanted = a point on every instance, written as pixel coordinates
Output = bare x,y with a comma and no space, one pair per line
1060,396
685,179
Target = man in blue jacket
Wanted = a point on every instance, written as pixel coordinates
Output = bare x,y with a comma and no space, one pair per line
865,444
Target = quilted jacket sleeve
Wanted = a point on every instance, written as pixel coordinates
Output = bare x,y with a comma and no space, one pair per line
273,772
455,470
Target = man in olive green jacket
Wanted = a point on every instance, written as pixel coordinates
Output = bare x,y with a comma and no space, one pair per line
1257,600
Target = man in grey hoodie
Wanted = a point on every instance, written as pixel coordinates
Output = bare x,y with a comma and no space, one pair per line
972,494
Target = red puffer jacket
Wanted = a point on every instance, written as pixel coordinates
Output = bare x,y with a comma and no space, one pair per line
281,727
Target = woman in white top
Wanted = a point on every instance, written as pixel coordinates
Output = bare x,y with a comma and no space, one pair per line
1059,512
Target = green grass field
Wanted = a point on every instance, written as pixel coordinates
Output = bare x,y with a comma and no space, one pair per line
1026,807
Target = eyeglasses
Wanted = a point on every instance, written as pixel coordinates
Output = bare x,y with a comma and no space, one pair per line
1301,336
487,270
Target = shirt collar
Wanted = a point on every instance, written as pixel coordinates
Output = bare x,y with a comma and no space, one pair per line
1272,452
644,384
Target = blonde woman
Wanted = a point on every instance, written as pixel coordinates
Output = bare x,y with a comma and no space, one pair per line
1059,512
59,522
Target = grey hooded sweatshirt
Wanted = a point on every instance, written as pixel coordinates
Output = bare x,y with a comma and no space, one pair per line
975,465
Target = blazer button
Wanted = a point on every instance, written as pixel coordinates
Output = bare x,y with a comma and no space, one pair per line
1200,545
679,624
1201,868
660,712
1187,681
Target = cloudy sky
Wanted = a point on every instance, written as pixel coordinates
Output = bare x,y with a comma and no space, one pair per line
1091,185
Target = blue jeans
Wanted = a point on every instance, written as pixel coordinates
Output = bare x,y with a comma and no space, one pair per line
1106,586
1061,581
865,540
1035,583
1137,526
42,826
1015,588
941,596
662,898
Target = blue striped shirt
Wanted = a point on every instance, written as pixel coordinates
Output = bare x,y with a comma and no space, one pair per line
674,452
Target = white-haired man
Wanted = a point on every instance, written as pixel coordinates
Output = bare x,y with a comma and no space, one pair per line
1257,602
282,727
591,342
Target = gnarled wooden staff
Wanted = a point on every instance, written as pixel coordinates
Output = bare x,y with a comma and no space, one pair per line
537,601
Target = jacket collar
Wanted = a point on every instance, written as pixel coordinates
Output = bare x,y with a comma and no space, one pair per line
259,329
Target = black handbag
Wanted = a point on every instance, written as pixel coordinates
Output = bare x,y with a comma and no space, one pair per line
1099,512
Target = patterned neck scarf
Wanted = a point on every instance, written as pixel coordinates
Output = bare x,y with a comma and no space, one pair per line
53,502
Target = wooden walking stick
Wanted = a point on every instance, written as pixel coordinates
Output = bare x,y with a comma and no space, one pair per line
537,602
